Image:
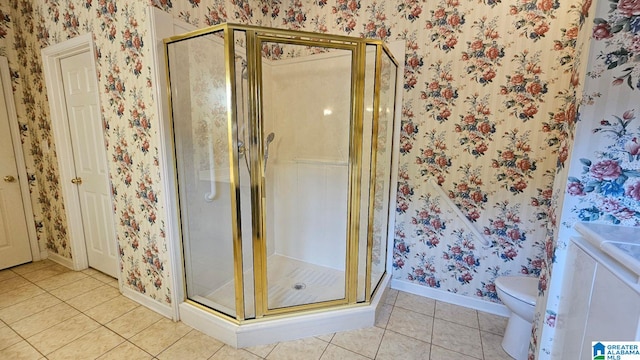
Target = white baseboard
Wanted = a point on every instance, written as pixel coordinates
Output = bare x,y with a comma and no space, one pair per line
162,309
44,254
449,297
66,262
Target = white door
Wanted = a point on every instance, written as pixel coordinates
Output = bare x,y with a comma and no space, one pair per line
90,161
15,248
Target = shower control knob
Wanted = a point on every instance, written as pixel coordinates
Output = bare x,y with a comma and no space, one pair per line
241,148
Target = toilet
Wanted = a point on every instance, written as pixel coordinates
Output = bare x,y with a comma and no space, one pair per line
519,294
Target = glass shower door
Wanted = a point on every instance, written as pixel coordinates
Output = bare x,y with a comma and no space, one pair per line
207,181
306,130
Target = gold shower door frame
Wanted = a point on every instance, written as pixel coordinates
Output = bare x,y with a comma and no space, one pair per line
255,37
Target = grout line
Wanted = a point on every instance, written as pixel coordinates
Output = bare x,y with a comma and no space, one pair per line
433,327
103,284
384,332
481,341
323,350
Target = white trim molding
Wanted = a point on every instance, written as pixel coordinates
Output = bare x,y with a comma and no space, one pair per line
451,298
59,259
51,57
142,299
163,25
51,68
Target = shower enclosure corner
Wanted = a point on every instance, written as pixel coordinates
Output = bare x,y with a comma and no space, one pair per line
282,145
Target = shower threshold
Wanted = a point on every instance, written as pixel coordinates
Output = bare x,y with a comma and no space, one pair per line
294,326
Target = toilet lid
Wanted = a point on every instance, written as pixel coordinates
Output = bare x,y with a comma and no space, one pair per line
520,287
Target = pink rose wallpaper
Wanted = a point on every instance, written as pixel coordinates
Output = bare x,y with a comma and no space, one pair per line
619,29
494,93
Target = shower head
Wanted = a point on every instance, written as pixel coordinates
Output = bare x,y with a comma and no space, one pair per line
270,138
268,141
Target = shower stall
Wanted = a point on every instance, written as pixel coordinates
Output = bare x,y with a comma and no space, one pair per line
283,154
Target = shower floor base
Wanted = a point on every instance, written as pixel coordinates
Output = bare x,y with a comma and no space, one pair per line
291,282
285,328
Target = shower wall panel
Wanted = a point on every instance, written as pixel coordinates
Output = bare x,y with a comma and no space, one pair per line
313,168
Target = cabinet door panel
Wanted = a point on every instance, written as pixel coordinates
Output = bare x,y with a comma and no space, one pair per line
614,310
574,308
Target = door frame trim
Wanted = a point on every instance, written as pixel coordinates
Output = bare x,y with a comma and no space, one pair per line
19,159
51,57
162,25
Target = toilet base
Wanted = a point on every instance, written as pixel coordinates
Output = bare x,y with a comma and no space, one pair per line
516,337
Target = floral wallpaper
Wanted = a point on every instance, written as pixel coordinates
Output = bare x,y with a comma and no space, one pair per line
619,29
17,44
120,33
490,109
608,187
600,183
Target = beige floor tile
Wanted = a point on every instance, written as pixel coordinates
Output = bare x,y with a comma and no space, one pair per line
89,346
8,337
126,350
28,307
457,314
362,341
20,294
21,351
492,323
438,353
45,273
134,321
114,284
32,266
456,337
7,274
492,347
43,320
395,346
195,346
159,336
111,309
13,283
93,298
326,337
59,280
104,277
307,348
62,334
392,295
76,288
334,352
90,271
264,350
410,323
229,353
383,316
419,304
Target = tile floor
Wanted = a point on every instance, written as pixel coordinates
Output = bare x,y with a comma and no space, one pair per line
50,312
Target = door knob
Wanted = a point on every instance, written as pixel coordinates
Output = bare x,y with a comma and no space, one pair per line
9,178
76,181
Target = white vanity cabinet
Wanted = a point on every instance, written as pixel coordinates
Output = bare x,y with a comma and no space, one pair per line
601,300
